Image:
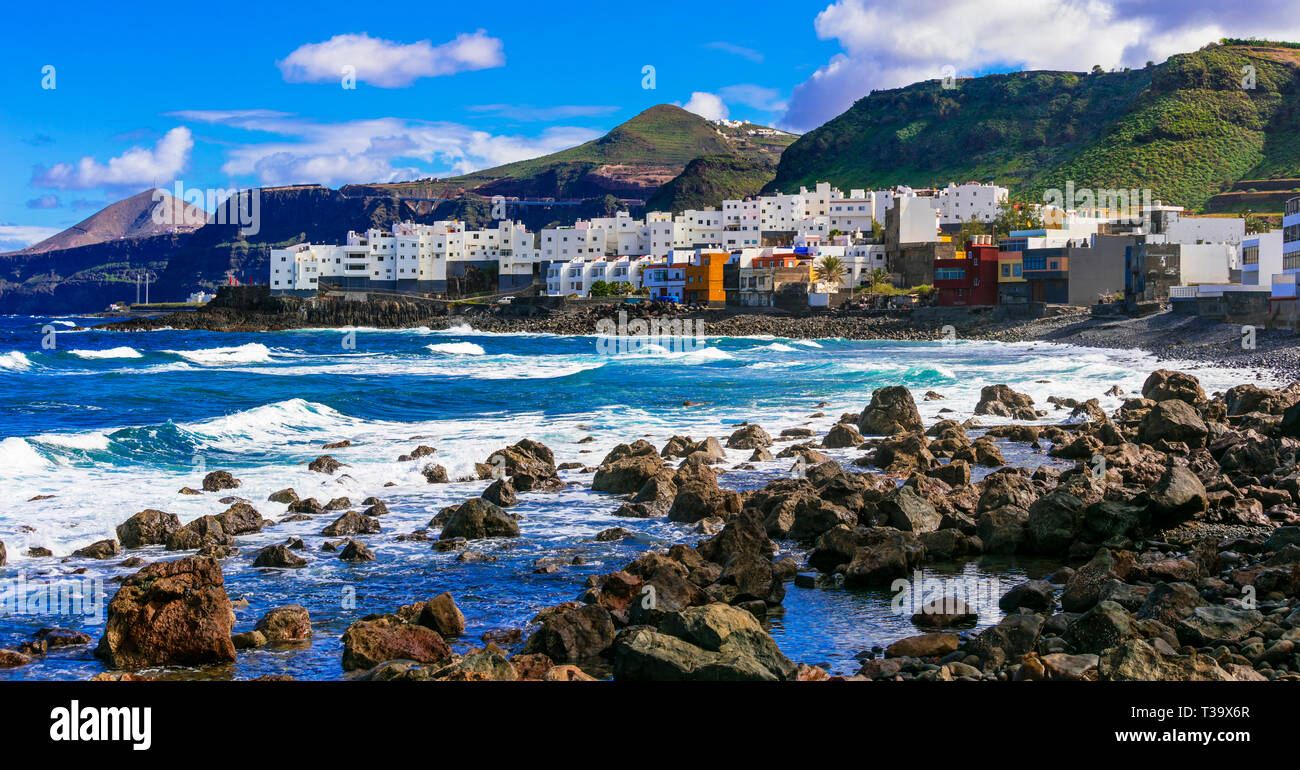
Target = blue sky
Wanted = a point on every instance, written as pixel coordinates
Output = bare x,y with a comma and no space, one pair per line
154,93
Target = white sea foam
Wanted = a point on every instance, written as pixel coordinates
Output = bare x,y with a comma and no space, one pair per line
252,353
457,348
122,352
778,347
15,361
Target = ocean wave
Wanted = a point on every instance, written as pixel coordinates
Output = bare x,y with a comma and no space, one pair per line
19,458
251,353
778,347
457,348
122,352
15,361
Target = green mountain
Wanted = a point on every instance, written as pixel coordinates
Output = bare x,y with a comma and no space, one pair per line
631,161
1186,129
708,180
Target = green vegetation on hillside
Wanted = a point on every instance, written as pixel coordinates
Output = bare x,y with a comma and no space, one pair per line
1186,129
709,180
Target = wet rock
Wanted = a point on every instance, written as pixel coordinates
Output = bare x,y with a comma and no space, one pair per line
945,612
367,643
1002,530
288,624
477,518
1031,594
891,411
355,551
1002,401
286,496
884,554
1207,626
628,474
325,464
171,613
573,635
203,531
104,549
435,474
842,436
749,437
1137,660
308,506
1164,385
708,643
442,615
1009,640
908,511
932,645
248,640
501,493
240,519
612,534
219,480
279,556
148,527
352,523
1173,420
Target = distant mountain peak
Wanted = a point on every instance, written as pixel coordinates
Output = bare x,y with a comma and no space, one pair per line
132,217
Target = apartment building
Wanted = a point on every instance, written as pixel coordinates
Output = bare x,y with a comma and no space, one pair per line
969,202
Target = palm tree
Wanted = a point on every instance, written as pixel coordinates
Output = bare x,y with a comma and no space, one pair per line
831,270
879,276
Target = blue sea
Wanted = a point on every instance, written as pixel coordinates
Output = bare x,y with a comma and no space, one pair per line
112,423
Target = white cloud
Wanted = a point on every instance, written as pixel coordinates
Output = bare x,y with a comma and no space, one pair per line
889,45
758,97
378,150
50,201
388,64
737,50
137,167
16,237
706,105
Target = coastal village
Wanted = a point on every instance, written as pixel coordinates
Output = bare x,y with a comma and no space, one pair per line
820,247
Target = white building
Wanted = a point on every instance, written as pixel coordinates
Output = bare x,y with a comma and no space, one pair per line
969,202
1284,283
1261,258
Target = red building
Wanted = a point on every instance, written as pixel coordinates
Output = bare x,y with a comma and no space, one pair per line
969,281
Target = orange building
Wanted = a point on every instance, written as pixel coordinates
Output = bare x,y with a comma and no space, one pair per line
704,279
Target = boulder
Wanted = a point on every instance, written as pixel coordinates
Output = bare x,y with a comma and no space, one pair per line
1085,587
573,635
279,556
932,645
891,410
325,464
352,523
367,643
240,519
1002,401
626,475
1172,421
104,549
945,612
219,480
1170,603
885,554
356,551
842,436
1013,637
288,624
1104,626
148,527
286,496
1031,594
1177,496
1138,660
200,533
477,518
442,615
1165,385
908,511
749,437
501,493
171,613
1213,625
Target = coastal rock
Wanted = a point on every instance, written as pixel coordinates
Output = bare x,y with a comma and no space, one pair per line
219,480
1104,626
626,475
1177,496
1173,420
945,612
891,411
885,554
279,556
842,436
714,642
355,551
749,437
1013,637
442,615
476,518
1036,595
286,496
325,464
352,523
1002,530
908,511
1085,587
435,474
367,643
932,645
171,613
573,635
104,549
1136,660
1002,401
288,624
240,519
202,532
148,527
1164,385
1213,625
1170,603
501,493
903,453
